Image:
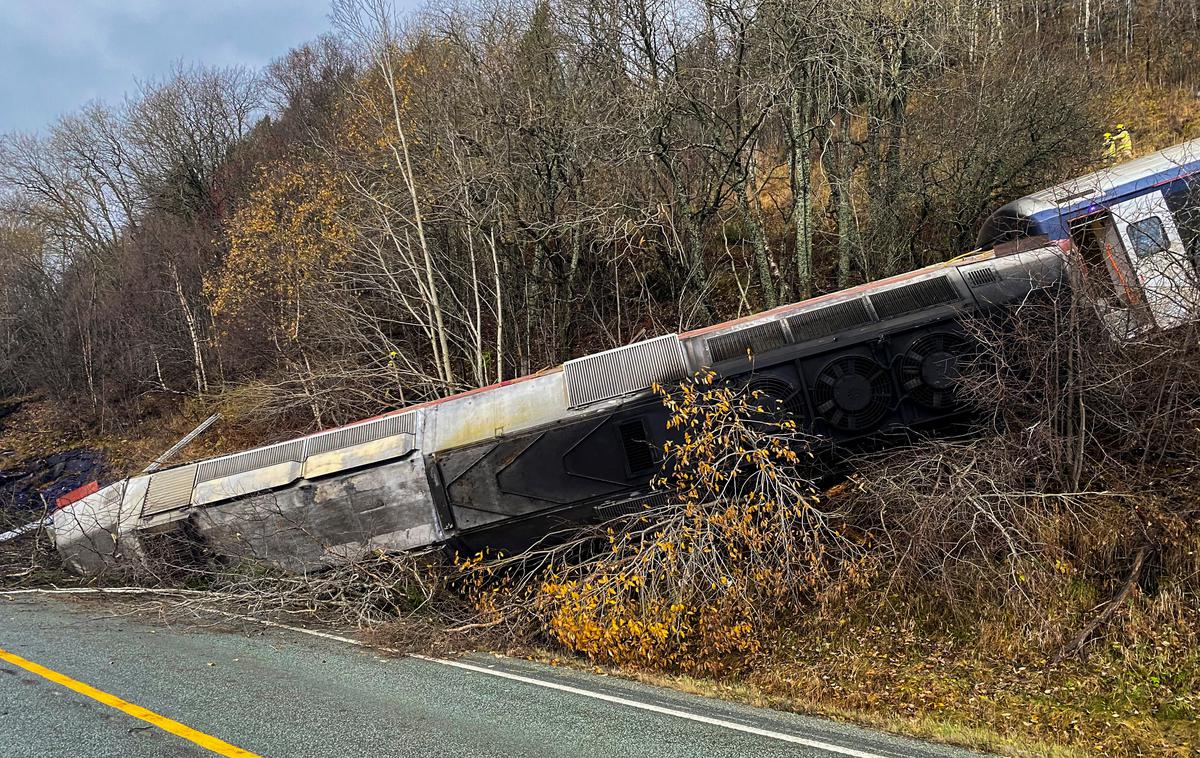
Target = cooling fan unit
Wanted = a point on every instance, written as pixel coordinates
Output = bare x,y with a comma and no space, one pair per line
930,367
777,397
852,393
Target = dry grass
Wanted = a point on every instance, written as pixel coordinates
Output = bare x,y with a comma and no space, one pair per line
1127,698
1157,117
40,427
897,670
36,428
762,692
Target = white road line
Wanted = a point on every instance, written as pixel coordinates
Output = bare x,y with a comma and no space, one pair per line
731,725
723,723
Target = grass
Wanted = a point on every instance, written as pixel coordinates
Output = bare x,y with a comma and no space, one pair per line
1120,700
39,427
933,728
908,669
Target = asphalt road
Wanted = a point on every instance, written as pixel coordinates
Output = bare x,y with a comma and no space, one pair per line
276,692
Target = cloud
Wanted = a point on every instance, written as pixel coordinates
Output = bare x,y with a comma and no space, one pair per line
59,54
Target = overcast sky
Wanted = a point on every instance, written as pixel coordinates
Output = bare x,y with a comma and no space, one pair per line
56,55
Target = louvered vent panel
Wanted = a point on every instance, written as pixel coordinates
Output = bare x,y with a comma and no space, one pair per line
831,319
913,297
169,490
631,507
639,453
753,339
402,423
982,276
627,369
251,460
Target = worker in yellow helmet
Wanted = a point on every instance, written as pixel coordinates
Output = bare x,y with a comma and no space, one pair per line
1123,142
1110,147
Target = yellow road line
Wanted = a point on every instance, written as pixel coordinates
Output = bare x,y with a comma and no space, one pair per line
162,722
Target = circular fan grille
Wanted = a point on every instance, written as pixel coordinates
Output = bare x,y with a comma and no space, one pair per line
930,368
776,396
852,392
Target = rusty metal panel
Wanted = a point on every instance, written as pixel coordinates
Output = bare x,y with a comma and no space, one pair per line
285,452
247,482
358,434
354,456
308,526
169,490
472,418
624,370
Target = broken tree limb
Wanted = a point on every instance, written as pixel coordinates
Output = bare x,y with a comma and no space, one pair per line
158,462
23,530
1109,608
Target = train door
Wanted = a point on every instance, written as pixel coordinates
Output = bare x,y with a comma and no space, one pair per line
1146,231
1107,275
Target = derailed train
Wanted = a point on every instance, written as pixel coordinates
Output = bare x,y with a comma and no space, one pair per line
502,465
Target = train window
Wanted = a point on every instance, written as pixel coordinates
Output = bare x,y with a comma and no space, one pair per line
1148,236
1184,203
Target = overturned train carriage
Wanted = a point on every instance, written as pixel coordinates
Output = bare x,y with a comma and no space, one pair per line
504,465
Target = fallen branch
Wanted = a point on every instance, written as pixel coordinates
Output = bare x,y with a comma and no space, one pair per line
23,530
1109,608
120,591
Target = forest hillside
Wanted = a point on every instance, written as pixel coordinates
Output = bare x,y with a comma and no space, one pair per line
417,205
422,203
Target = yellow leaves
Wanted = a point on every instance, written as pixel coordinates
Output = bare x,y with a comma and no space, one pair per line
282,240
700,584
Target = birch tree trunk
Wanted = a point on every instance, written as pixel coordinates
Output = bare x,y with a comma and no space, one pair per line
748,203
840,170
189,318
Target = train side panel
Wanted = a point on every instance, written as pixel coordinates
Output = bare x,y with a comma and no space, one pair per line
504,466
848,368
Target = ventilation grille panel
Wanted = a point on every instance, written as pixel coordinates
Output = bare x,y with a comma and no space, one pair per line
754,339
402,423
914,297
169,490
822,322
624,370
982,276
639,453
632,506
287,452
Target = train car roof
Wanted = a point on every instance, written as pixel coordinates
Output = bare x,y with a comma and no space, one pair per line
790,307
1104,187
848,293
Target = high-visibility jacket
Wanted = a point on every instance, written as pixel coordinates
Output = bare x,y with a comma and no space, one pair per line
1123,143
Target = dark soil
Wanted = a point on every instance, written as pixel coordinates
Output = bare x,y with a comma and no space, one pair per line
23,485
